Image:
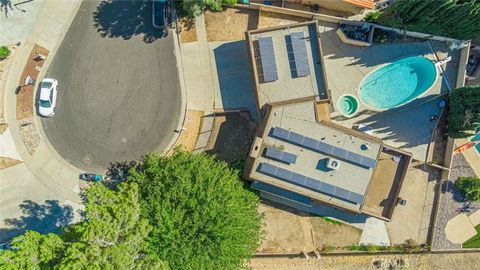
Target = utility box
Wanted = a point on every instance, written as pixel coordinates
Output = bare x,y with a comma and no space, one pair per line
333,164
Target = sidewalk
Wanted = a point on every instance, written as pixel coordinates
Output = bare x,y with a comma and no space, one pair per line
44,183
199,80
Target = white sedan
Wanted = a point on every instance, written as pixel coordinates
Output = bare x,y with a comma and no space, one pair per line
48,97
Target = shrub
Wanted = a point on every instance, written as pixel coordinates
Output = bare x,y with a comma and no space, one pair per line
4,52
470,186
373,16
464,111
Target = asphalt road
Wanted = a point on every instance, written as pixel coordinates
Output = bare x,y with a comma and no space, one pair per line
119,92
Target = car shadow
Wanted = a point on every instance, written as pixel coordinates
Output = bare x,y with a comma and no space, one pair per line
126,19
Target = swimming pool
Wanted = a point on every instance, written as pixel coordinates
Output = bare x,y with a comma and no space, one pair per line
397,83
476,138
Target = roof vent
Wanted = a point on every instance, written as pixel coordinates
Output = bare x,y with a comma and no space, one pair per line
333,164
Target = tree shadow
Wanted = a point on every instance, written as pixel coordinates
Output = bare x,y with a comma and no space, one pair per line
118,171
126,19
4,6
49,217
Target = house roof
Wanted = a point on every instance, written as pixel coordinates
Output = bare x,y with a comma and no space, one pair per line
361,3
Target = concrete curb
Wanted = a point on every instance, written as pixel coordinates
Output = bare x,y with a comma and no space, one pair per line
183,113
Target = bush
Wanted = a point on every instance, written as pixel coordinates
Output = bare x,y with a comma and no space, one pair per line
373,16
4,52
470,186
464,111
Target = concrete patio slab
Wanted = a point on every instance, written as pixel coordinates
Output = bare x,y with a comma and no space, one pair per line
459,229
375,233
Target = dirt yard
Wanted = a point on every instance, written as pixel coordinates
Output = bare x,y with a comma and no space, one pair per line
188,137
188,31
230,24
25,93
417,261
291,231
269,19
231,137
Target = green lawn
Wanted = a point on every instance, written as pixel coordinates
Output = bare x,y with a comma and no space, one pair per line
473,242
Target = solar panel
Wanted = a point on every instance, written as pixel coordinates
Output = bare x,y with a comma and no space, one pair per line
310,183
354,157
313,184
298,178
284,174
310,143
300,54
339,152
296,138
280,155
267,57
341,193
356,198
289,158
267,169
280,133
368,162
327,188
322,147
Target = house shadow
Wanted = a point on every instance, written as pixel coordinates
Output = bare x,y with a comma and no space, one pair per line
409,125
49,217
234,135
234,76
126,19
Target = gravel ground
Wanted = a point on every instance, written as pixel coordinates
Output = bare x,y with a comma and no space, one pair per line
30,137
452,203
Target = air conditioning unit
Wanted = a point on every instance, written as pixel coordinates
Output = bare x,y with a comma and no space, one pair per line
333,164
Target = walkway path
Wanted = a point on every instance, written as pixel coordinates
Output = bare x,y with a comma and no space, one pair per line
199,80
41,193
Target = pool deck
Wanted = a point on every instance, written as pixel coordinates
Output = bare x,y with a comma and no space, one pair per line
406,127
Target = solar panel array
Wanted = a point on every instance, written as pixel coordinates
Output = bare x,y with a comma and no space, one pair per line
267,58
310,183
300,54
322,147
280,155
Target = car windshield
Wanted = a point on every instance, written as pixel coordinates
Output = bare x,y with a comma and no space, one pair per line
44,103
46,85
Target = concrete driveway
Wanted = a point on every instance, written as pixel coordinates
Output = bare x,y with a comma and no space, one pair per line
119,92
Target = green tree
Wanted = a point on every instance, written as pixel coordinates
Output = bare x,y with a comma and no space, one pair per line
203,217
470,186
33,251
464,111
195,7
451,18
112,237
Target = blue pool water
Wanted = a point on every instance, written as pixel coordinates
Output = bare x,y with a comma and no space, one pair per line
397,83
476,138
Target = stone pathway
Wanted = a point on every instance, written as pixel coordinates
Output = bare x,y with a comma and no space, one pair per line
452,203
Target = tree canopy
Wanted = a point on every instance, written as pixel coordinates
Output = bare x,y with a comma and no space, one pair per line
202,216
112,237
451,18
464,111
470,186
196,7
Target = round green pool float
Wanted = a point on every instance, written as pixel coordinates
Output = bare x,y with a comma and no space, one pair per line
348,105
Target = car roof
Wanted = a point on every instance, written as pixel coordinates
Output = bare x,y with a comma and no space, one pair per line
48,80
45,93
